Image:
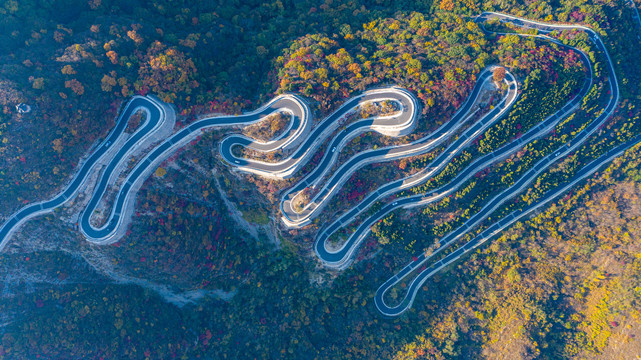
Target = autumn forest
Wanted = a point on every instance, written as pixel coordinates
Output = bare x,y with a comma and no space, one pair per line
207,271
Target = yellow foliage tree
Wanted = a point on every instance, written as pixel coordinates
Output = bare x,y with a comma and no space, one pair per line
160,172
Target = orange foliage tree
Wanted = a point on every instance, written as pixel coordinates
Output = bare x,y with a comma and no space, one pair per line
167,72
76,86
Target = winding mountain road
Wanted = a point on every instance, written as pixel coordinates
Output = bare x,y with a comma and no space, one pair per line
299,131
295,219
341,257
304,140
521,184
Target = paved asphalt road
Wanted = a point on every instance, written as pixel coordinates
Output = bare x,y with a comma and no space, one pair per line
154,113
107,231
299,128
428,271
294,218
341,257
404,121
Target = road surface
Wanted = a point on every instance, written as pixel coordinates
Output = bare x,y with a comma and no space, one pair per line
425,274
299,131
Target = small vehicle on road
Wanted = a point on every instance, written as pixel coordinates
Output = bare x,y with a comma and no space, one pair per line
395,203
334,149
108,143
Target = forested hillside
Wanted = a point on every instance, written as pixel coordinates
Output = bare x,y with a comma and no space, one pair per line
206,269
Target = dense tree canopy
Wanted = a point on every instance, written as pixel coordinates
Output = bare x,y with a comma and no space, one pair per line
563,284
